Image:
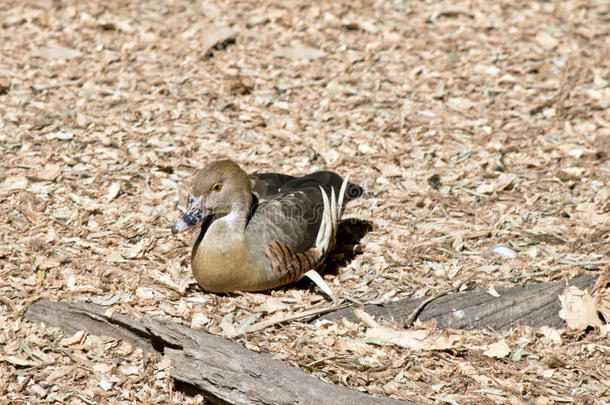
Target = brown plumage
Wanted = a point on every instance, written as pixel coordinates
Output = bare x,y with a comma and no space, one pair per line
264,230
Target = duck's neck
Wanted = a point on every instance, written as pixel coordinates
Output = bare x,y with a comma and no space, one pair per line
237,219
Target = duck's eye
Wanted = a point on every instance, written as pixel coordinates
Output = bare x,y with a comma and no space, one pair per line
217,187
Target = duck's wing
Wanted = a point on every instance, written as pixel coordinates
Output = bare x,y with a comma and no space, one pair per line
292,218
295,230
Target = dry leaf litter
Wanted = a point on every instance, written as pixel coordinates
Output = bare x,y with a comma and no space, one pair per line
480,130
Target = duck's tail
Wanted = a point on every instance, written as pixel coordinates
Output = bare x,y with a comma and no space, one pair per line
333,211
327,235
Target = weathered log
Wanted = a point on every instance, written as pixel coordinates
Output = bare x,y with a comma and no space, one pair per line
534,305
222,370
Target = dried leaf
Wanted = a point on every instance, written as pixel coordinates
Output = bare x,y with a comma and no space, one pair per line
578,309
274,304
74,339
228,329
164,364
199,321
571,173
506,180
499,349
300,53
148,293
13,183
485,188
548,373
111,25
546,41
105,384
416,339
17,361
5,84
130,369
215,35
588,213
56,53
103,367
551,334
391,170
115,257
61,135
113,191
48,173
367,319
461,103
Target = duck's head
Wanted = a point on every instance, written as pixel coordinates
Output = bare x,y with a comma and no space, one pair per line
218,189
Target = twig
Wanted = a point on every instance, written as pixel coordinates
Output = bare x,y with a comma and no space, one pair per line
323,359
583,264
6,72
409,321
292,317
286,86
472,192
6,301
75,357
42,86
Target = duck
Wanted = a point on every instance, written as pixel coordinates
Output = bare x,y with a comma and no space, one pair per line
264,230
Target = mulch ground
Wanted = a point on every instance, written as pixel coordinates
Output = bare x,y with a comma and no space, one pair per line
471,125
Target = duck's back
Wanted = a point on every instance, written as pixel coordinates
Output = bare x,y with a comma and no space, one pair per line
267,185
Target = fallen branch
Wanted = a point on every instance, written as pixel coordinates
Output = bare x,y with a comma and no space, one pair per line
534,305
224,371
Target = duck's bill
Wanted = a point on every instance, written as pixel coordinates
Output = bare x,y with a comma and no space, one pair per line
195,214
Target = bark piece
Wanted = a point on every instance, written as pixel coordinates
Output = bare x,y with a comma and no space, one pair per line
225,371
534,305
